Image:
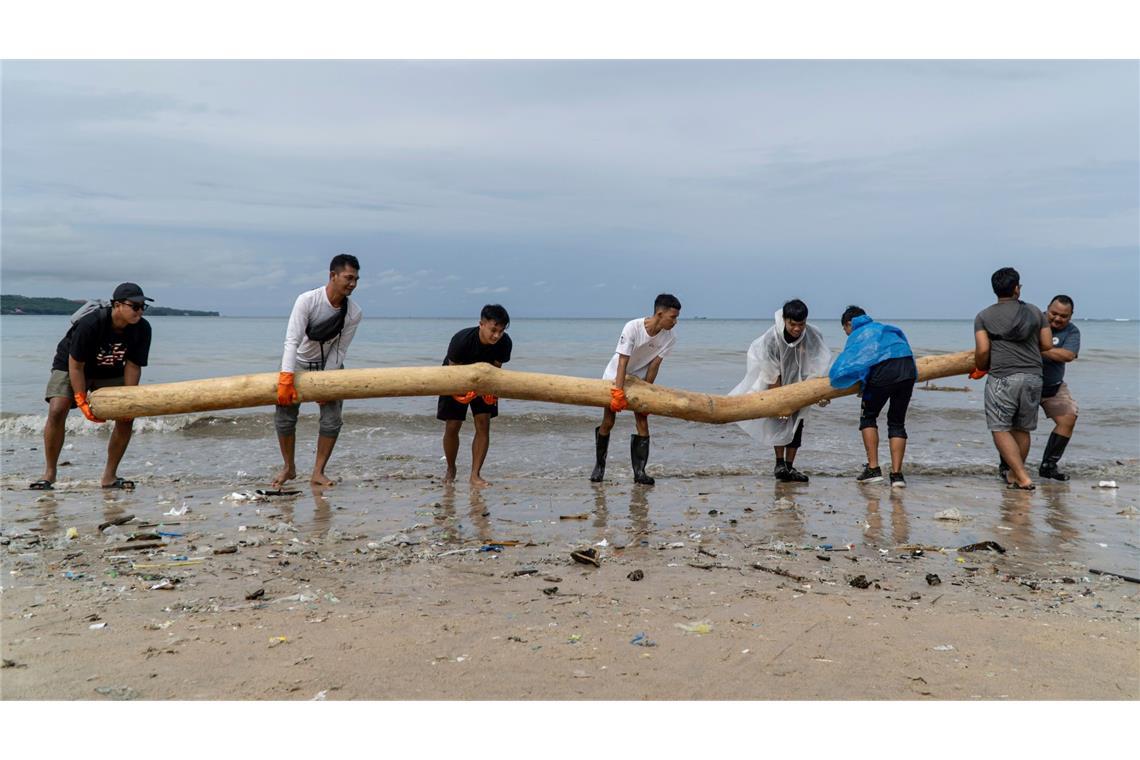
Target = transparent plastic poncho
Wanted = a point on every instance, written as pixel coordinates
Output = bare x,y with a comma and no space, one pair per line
770,357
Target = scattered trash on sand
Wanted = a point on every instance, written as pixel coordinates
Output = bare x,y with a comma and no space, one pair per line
586,557
984,546
932,579
641,640
550,591
176,512
583,516
1106,484
944,648
948,514
252,595
1109,574
636,575
117,521
859,581
700,627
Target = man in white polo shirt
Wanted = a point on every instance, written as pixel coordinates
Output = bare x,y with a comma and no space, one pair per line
321,326
643,345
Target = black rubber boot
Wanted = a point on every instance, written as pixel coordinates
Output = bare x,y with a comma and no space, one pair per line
639,453
601,446
1053,451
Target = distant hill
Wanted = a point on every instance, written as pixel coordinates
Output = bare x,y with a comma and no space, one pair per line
36,305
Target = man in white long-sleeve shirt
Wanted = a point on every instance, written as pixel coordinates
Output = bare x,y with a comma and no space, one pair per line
321,327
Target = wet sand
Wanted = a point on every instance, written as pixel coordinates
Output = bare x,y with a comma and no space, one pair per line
406,589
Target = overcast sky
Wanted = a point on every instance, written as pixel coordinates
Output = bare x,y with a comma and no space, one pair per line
576,188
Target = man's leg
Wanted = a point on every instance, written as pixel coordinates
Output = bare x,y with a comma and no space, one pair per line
330,425
116,447
641,421
602,445
451,447
54,433
285,422
1064,424
790,451
1009,448
325,444
896,423
609,417
479,446
871,445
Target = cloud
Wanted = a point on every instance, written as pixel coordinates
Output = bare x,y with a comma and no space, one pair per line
486,289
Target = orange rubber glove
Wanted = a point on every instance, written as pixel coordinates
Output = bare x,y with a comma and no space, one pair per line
466,398
618,401
977,374
81,402
490,400
286,391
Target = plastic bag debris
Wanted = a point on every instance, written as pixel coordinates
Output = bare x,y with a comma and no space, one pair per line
641,640
948,514
700,627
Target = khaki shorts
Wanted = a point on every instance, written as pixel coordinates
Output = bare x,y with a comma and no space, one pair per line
59,386
1060,404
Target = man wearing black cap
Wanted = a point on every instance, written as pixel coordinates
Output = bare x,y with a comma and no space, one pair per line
107,346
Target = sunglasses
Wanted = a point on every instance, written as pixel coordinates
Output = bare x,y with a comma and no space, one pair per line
135,306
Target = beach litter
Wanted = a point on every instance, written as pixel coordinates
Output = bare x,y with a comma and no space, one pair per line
72,534
1109,574
944,648
551,591
586,557
636,575
174,512
641,640
932,579
117,521
582,516
700,627
984,546
277,641
1106,484
948,514
859,581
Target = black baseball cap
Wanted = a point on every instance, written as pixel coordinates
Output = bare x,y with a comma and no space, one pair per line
129,291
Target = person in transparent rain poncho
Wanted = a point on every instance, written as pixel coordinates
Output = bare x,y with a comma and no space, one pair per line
791,351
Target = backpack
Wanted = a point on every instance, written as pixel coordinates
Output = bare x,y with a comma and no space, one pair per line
93,304
100,305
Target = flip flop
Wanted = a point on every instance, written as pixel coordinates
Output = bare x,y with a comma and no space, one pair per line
1019,487
275,492
41,485
122,484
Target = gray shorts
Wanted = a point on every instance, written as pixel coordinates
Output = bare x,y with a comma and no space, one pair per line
1011,402
59,385
285,418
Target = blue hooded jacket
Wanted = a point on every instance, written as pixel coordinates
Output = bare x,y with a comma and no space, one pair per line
869,343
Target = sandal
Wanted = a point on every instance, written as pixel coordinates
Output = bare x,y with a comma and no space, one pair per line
1019,487
41,485
122,484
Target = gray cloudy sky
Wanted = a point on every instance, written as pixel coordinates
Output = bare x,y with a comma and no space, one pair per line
575,188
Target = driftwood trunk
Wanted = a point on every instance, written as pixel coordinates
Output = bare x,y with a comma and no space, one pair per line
243,391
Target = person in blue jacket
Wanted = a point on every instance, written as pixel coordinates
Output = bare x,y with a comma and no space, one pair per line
879,357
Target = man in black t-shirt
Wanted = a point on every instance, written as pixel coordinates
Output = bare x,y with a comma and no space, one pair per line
488,342
108,346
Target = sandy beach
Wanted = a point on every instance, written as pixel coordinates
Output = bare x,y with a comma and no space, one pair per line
406,589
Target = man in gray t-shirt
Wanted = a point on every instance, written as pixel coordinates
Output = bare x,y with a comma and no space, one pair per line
1009,337
1056,401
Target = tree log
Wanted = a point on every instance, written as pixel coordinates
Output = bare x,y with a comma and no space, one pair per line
242,391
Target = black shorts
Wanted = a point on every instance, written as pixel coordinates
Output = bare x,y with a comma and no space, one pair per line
875,397
450,409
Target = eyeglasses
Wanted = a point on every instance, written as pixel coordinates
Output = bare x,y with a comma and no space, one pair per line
135,306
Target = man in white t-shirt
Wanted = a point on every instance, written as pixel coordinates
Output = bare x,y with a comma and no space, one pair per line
643,345
321,326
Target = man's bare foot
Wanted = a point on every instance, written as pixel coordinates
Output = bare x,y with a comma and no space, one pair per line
478,482
449,476
320,479
287,473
